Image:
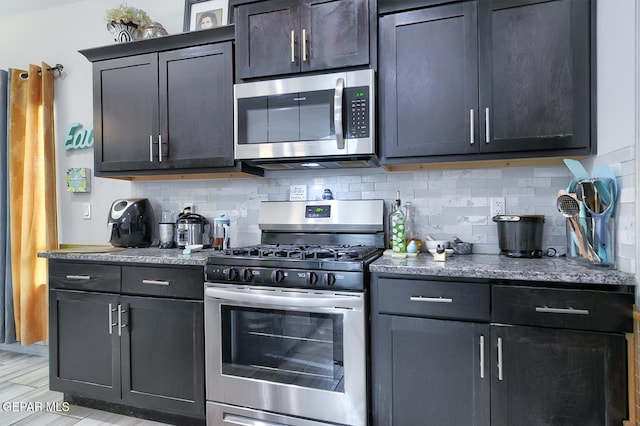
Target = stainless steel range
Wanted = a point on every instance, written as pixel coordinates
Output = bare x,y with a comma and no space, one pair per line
285,320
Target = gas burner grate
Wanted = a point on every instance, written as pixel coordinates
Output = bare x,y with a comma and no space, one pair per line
304,252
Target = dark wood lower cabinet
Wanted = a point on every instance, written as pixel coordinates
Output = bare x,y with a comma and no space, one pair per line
558,377
138,348
430,372
163,353
84,350
439,362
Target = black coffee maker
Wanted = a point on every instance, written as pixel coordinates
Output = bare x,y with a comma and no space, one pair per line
131,222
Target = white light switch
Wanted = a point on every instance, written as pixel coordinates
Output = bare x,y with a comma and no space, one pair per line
86,211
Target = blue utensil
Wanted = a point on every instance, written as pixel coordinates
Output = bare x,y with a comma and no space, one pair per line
576,168
605,171
599,210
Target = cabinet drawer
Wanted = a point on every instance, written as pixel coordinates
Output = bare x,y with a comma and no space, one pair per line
184,283
84,276
438,299
560,308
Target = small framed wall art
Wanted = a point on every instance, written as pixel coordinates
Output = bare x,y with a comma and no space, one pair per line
78,179
203,14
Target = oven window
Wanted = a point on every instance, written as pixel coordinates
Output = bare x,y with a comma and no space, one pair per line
293,117
288,347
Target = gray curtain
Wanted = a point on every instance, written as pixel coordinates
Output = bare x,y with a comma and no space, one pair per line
7,322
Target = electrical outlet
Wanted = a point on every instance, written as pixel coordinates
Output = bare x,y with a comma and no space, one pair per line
496,206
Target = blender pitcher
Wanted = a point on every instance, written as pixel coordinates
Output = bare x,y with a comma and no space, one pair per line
221,232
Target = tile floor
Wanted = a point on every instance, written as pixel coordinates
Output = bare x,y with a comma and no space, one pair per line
25,398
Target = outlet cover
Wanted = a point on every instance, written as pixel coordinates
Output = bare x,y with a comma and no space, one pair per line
497,206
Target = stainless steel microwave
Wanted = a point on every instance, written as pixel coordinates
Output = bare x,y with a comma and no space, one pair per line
324,121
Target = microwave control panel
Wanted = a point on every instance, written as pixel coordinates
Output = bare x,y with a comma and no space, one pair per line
357,105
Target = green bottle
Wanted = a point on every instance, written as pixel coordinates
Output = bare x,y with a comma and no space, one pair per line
397,220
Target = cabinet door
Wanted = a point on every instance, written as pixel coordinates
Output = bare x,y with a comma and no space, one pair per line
557,377
84,344
429,371
196,107
163,355
334,34
267,38
534,74
125,104
428,81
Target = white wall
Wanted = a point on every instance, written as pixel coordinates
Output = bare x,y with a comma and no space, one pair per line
55,35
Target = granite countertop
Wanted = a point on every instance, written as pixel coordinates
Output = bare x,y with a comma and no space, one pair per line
482,266
151,255
490,266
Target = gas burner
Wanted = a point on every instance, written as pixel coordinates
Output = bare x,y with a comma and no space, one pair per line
304,252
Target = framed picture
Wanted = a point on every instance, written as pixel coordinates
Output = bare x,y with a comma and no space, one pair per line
203,14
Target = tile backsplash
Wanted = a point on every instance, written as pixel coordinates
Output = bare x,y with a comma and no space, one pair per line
446,203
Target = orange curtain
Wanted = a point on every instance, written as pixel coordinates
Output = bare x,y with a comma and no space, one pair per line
32,190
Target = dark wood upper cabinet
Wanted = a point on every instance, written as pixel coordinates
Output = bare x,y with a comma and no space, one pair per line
490,79
534,75
285,36
428,81
165,110
165,106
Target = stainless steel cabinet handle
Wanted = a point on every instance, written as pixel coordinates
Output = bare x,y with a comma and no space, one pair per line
487,125
337,113
471,127
120,324
482,357
293,46
160,148
304,45
111,323
430,299
151,148
79,277
569,311
500,358
156,282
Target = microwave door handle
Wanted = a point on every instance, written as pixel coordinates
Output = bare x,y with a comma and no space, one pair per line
337,113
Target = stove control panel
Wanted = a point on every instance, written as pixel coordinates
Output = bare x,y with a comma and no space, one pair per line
294,278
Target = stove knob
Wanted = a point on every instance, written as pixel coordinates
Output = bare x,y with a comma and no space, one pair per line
328,279
245,274
277,276
230,274
312,278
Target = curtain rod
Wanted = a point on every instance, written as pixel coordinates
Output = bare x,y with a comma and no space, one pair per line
56,67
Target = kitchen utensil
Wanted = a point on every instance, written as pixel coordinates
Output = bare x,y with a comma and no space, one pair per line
520,235
432,245
599,210
570,208
166,231
130,223
576,168
192,229
221,226
605,171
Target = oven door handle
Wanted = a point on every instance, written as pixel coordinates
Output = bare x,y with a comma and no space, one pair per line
291,299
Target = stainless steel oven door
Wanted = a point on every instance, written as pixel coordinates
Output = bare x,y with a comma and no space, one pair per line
295,352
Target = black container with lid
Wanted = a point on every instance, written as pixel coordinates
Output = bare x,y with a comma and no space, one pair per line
520,235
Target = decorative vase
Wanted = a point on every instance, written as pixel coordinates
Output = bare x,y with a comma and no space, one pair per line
124,32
